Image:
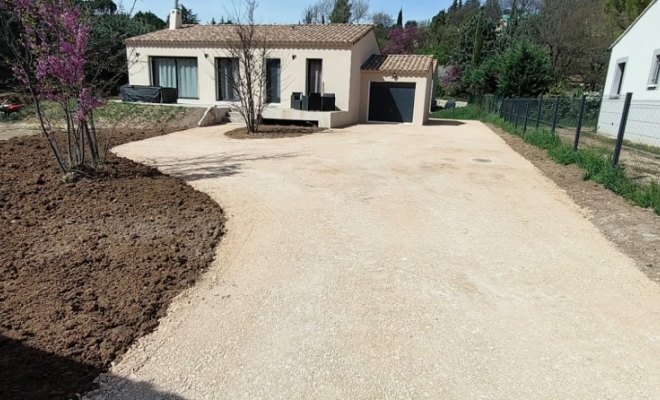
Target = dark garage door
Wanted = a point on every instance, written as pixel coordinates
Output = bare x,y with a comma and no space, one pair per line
391,102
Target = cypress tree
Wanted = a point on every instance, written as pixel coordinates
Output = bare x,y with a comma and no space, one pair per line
341,13
399,19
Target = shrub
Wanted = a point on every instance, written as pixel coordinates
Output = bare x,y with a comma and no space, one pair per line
482,80
526,71
452,82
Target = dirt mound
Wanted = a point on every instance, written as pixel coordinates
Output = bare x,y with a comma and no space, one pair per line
87,268
272,132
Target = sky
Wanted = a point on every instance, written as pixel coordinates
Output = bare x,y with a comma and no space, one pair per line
286,11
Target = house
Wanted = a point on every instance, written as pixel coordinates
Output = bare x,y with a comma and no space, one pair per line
312,60
634,67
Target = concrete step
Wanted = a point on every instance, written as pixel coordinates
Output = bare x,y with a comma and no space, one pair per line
233,120
234,114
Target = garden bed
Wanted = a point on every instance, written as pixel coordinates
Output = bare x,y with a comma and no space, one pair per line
273,132
87,268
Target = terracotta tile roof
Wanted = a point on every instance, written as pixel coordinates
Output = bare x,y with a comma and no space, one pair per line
398,63
277,35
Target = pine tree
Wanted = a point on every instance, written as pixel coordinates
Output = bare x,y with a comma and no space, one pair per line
341,14
213,21
465,54
460,3
323,19
454,6
478,41
399,19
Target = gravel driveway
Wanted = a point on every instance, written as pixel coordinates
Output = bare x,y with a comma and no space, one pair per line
393,262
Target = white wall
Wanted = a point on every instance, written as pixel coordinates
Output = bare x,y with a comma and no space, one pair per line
637,48
336,71
361,52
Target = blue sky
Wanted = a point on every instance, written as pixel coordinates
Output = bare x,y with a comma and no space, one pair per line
287,11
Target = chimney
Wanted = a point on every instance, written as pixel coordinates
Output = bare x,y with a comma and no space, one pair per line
175,16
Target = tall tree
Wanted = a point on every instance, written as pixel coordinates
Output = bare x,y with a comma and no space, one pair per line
624,12
477,42
188,17
359,11
149,18
493,10
576,35
526,71
383,22
99,7
341,13
403,40
399,18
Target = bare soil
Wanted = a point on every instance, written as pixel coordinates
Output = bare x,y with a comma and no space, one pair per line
636,231
273,132
87,268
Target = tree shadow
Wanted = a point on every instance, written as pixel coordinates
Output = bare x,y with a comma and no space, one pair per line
27,373
210,166
444,122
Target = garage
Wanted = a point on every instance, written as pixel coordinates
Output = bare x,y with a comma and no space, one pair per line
396,88
391,102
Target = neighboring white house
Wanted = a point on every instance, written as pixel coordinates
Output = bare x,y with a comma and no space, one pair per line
339,59
634,67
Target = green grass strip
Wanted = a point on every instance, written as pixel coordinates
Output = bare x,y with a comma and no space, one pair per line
596,163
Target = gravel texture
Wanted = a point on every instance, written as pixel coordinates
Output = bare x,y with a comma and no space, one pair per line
384,262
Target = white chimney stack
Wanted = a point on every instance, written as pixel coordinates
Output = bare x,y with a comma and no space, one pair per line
175,16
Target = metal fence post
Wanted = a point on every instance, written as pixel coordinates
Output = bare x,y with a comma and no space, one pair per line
622,129
517,112
554,118
502,108
526,116
579,124
538,115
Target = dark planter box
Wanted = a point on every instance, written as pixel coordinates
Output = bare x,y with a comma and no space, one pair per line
297,101
315,103
328,102
148,94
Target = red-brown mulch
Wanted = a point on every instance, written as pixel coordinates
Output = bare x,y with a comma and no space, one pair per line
87,268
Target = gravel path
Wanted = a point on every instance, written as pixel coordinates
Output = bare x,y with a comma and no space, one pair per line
387,262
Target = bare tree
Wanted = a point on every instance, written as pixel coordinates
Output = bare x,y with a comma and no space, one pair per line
382,18
576,34
246,77
359,11
320,11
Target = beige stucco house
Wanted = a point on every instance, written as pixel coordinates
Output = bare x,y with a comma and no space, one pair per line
339,59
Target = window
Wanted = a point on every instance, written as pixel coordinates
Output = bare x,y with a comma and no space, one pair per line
618,77
227,78
655,69
178,73
273,73
314,76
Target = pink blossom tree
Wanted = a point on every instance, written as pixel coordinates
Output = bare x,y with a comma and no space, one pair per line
50,62
403,40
